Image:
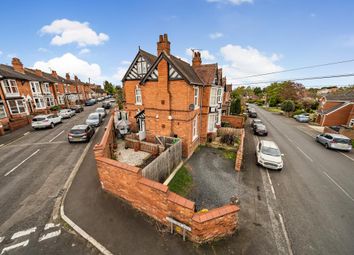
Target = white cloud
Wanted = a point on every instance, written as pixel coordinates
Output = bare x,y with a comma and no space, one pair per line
182,58
233,2
68,31
125,62
206,55
248,61
84,51
42,50
69,63
1,52
120,72
216,35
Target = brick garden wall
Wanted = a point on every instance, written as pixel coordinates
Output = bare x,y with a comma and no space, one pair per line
234,120
157,201
239,153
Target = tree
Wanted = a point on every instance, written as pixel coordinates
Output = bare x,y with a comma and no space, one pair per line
119,95
291,91
257,91
273,101
235,107
288,106
108,87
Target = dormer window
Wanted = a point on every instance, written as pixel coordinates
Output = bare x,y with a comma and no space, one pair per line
142,66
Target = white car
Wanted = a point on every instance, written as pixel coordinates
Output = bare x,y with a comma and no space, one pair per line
101,111
335,141
44,121
268,155
66,113
94,119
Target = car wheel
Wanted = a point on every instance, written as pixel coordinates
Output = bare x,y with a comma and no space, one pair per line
280,169
52,125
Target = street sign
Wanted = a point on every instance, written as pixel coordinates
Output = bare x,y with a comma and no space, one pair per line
180,224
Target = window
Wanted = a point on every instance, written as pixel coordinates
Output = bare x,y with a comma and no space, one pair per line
35,87
142,68
138,98
17,106
351,123
2,112
196,97
219,96
46,89
50,101
39,103
212,120
213,96
10,87
61,99
195,128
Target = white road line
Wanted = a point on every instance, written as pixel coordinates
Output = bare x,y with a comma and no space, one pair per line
49,235
340,187
23,233
287,137
50,225
352,159
271,184
8,248
2,238
1,145
285,234
26,133
23,161
51,140
304,154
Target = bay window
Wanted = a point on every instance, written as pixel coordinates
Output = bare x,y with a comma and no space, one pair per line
39,103
213,96
10,87
45,88
17,106
2,112
219,96
212,121
138,97
35,88
61,99
50,101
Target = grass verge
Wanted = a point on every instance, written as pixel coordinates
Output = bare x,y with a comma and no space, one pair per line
230,155
181,182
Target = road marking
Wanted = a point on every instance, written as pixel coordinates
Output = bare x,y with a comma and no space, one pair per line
2,238
271,184
23,233
49,235
23,161
8,248
287,137
347,156
26,133
31,144
50,225
340,187
285,234
51,140
1,145
304,153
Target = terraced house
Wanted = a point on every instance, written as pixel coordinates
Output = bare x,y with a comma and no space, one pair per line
167,96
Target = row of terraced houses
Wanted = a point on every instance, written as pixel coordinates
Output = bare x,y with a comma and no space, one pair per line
167,96
25,92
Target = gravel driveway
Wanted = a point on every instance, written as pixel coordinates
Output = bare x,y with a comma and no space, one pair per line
214,178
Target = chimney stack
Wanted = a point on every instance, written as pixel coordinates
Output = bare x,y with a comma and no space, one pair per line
54,74
67,76
163,45
17,65
197,59
39,73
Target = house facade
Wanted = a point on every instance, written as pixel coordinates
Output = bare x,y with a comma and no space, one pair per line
167,96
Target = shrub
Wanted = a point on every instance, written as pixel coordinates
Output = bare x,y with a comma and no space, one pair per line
225,124
259,102
288,106
273,101
228,139
235,107
55,108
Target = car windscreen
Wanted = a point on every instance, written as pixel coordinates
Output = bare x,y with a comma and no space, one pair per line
77,131
270,151
38,119
99,110
261,127
93,117
342,140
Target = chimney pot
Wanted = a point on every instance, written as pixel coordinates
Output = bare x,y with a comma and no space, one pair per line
163,45
67,76
197,60
54,74
39,72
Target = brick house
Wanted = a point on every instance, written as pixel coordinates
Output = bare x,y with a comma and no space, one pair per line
227,99
167,96
336,109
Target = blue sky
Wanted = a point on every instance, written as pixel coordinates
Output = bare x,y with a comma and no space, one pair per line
97,39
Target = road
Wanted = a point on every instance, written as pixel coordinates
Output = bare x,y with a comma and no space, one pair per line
311,200
34,169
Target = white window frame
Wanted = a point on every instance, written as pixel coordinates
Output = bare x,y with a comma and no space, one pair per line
138,97
40,104
49,101
141,66
195,128
196,97
213,96
219,95
10,87
61,99
35,88
17,105
46,89
212,121
3,113
351,123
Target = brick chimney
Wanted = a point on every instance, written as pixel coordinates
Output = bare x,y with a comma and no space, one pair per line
54,74
76,79
163,45
17,65
39,73
197,60
67,76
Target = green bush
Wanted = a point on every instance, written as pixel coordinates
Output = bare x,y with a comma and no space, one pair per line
273,102
259,102
55,108
228,139
288,106
235,107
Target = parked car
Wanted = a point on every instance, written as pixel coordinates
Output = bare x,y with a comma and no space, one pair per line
112,100
335,141
260,129
94,119
81,133
302,118
255,121
90,102
268,155
102,112
252,113
66,113
77,108
44,121
106,104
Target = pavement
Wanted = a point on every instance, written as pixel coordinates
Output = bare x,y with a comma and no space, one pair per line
34,167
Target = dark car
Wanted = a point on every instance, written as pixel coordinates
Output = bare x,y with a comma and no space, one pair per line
252,113
90,102
106,105
81,133
260,129
77,108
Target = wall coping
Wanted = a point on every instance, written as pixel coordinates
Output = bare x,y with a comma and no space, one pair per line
215,213
177,199
119,164
153,184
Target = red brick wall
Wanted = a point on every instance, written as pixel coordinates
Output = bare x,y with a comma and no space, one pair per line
239,153
235,121
339,117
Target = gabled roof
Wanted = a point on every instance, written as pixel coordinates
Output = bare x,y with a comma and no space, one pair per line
8,72
207,72
348,96
334,108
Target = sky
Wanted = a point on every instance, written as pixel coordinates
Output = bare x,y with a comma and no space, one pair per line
97,40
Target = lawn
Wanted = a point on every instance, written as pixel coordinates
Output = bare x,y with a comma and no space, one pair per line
181,182
230,155
272,109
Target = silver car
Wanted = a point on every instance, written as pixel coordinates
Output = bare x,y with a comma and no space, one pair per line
268,155
94,119
101,111
44,121
335,141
